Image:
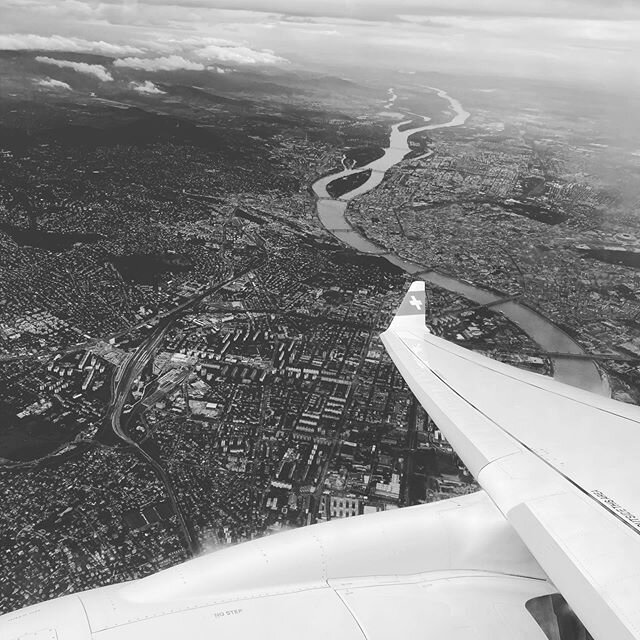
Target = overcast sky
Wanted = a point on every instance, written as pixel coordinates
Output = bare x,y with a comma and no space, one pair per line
592,41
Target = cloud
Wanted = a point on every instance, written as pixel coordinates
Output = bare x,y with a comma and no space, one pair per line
96,70
147,12
147,88
388,10
51,83
209,50
32,42
165,63
577,41
238,55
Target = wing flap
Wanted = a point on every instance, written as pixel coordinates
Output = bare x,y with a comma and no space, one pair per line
596,565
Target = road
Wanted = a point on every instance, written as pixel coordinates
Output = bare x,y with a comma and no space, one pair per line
411,445
123,379
317,494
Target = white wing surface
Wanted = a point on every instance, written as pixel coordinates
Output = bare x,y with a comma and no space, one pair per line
454,570
556,514
557,461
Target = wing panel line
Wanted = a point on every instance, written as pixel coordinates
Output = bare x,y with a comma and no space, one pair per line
586,492
555,392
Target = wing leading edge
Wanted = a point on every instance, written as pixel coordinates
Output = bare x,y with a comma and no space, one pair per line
554,459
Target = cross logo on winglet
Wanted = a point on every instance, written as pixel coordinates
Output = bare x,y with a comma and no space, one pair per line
414,302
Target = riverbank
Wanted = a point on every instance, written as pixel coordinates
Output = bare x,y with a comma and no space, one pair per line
332,214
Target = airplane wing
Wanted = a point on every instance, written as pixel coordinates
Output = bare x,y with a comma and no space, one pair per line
556,513
557,461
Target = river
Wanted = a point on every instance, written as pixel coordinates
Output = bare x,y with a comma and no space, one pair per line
332,214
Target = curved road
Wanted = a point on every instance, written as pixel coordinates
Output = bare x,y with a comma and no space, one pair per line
332,214
121,383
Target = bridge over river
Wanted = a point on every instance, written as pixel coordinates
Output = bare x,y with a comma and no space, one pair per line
571,364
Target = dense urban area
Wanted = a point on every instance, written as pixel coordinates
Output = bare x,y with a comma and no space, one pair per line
189,359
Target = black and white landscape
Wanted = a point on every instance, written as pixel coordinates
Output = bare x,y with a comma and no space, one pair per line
208,214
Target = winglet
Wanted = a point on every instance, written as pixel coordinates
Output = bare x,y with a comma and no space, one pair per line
411,312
